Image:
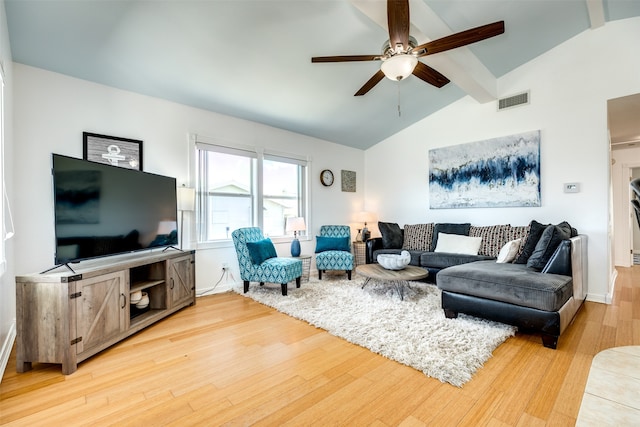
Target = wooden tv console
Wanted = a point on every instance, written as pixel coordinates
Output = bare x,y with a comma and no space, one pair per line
65,317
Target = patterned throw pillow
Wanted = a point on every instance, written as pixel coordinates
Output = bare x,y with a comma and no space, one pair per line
418,237
519,232
493,238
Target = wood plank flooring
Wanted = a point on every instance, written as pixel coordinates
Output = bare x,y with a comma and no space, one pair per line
231,361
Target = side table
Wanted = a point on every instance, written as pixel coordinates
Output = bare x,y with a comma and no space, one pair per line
306,266
359,257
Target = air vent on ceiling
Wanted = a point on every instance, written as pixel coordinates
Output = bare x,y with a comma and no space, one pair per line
513,101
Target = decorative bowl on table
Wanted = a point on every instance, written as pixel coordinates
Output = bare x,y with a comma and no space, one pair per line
394,262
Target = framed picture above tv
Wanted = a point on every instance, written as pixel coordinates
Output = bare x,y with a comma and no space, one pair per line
112,150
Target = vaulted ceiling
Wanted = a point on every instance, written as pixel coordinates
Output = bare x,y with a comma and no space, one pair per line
252,58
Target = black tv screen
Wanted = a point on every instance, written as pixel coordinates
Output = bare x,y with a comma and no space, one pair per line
105,210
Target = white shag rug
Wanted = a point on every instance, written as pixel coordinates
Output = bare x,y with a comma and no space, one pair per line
413,331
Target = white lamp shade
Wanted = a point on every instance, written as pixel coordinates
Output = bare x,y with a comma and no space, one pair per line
186,198
399,67
366,217
295,223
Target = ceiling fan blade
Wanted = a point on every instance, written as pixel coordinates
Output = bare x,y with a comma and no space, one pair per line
429,75
462,38
346,58
371,83
398,23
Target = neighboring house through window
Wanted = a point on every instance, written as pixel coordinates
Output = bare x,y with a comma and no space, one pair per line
243,187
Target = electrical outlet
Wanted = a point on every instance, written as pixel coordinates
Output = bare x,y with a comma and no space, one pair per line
225,265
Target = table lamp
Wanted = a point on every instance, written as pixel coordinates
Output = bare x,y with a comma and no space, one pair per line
295,224
365,217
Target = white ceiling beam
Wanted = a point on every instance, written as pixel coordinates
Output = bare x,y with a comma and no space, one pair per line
460,65
596,13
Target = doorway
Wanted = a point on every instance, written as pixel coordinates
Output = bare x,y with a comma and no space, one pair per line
635,246
624,131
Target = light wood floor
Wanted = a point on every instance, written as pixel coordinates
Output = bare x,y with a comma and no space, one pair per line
229,360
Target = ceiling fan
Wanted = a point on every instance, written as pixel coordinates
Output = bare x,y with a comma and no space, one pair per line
401,52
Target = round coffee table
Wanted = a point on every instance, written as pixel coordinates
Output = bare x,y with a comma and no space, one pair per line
396,278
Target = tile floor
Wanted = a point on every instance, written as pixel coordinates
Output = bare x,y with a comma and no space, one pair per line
612,394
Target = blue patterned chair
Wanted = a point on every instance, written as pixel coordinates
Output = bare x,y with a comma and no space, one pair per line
333,249
259,263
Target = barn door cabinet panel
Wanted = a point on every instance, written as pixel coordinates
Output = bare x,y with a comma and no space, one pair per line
181,273
66,317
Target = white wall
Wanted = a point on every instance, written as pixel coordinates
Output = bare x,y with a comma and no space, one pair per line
569,87
7,284
52,111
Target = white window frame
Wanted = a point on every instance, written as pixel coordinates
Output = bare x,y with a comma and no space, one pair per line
200,142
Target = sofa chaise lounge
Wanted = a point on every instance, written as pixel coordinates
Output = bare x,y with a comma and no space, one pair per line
539,291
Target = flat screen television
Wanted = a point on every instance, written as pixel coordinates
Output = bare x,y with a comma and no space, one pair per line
103,210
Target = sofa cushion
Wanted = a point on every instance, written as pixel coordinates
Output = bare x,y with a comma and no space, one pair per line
509,251
461,229
493,238
535,231
444,259
547,245
510,283
391,235
324,243
454,243
261,250
518,232
418,237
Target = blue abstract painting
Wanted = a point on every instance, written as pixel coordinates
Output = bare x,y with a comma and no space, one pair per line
498,172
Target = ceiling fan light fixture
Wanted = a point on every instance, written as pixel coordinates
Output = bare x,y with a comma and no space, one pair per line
399,67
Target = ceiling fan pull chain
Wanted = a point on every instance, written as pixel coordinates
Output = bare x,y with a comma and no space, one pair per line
399,112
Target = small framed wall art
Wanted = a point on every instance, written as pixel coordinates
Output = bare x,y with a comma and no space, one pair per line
348,181
112,150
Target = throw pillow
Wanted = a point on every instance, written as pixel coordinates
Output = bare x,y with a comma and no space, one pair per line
509,251
493,238
457,244
535,231
547,245
332,244
391,235
261,250
418,237
519,232
461,229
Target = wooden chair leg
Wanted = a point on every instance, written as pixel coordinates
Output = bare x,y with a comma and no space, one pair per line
319,274
284,289
298,280
349,274
246,286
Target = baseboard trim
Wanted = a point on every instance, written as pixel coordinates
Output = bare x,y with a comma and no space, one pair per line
7,345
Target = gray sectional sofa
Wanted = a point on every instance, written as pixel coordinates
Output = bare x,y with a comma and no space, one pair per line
539,291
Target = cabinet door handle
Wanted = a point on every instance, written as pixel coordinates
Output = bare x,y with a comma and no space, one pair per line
172,284
124,301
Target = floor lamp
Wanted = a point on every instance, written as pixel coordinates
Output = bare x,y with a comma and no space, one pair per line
186,202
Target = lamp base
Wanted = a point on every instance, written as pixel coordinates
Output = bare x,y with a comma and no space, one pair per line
295,248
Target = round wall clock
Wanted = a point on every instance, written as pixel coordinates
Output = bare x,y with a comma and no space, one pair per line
326,177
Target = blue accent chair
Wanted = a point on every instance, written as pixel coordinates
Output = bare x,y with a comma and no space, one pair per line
335,259
273,270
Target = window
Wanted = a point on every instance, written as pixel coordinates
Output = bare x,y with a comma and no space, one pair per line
244,188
